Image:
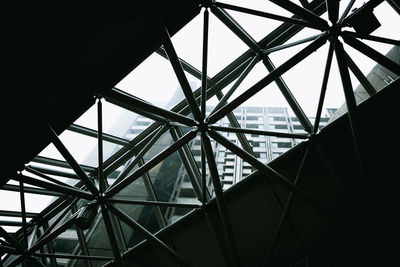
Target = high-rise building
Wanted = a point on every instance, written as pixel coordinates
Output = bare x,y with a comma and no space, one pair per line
231,168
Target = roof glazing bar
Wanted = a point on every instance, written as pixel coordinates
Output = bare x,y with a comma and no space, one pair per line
323,88
369,88
115,188
93,133
72,162
266,15
372,53
302,12
180,74
190,166
60,163
230,241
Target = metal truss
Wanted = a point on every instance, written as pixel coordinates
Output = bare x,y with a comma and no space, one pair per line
32,245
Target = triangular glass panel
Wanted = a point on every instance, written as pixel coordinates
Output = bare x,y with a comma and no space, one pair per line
188,42
223,47
304,80
248,22
155,74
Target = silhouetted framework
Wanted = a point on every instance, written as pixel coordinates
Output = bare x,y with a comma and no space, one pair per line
33,244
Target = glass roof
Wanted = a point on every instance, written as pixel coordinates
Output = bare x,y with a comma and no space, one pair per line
153,152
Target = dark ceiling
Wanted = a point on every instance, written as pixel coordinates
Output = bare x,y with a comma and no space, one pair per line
61,52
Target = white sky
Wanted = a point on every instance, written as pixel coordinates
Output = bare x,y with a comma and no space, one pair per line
155,81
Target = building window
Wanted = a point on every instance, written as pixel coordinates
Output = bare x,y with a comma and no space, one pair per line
279,118
279,126
284,144
251,126
298,127
252,118
294,118
261,155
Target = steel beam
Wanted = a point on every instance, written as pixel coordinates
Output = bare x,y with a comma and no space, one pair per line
54,187
13,223
234,123
373,38
23,217
44,176
204,77
115,188
185,65
266,15
368,87
287,45
180,74
230,241
93,133
9,250
268,79
236,29
54,172
395,5
9,213
149,236
346,11
137,105
302,13
72,162
31,190
153,203
110,231
323,88
285,212
100,175
69,256
371,53
190,165
60,163
333,10
353,119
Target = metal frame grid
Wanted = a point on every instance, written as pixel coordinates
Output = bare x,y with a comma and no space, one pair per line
33,243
